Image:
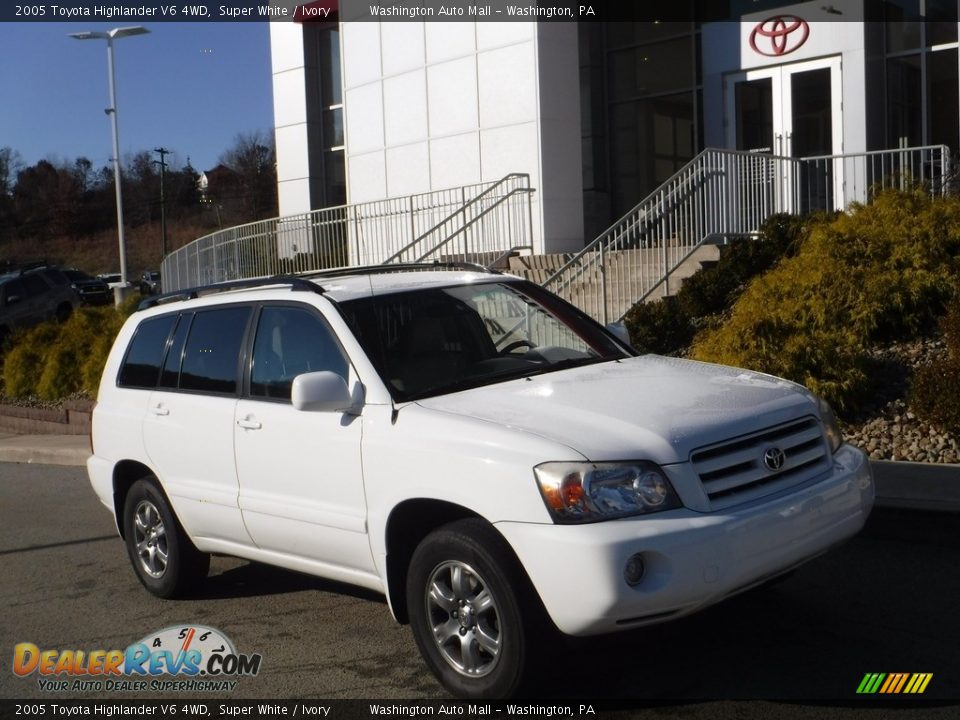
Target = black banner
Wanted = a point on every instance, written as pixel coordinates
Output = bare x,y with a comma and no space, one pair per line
154,11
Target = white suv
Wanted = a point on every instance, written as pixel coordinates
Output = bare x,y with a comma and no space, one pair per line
466,443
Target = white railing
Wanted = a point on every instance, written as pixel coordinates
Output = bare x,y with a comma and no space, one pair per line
496,221
482,218
722,194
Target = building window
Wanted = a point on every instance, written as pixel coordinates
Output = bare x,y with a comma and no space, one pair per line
331,107
922,94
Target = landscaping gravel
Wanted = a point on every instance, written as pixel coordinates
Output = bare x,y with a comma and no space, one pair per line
890,431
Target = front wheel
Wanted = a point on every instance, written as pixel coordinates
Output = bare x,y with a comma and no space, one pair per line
164,559
465,612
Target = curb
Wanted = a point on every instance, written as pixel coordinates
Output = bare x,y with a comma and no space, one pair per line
45,449
917,486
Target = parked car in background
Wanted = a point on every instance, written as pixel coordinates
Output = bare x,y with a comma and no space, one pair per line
475,448
149,282
111,279
92,291
31,296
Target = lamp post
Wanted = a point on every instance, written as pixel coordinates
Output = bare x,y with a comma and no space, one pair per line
110,36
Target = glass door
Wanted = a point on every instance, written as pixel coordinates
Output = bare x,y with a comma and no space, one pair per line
792,111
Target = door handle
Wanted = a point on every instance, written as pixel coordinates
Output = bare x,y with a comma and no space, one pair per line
159,409
249,423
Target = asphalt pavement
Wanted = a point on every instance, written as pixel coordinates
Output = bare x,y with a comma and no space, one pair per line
883,602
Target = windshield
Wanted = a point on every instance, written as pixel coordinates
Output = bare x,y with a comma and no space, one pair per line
441,340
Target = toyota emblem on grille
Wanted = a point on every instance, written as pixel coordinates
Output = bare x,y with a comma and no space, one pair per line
774,459
780,35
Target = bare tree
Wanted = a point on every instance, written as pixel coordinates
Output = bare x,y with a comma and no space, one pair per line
253,159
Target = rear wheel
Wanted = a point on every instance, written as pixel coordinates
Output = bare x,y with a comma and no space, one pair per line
465,611
163,557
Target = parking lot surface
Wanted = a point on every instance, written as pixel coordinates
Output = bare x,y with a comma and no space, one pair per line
885,602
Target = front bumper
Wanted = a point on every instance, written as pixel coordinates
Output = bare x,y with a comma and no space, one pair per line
691,559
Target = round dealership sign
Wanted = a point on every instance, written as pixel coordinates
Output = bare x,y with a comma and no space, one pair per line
779,35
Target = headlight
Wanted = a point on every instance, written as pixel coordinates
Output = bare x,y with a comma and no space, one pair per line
588,492
830,427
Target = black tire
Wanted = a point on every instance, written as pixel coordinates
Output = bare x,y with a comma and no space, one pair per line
163,557
486,566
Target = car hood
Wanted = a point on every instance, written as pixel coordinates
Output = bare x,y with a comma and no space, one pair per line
651,407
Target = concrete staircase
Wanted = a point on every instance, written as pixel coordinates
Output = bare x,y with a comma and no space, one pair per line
622,271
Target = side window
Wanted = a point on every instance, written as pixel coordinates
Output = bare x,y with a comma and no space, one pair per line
34,285
211,356
289,342
141,366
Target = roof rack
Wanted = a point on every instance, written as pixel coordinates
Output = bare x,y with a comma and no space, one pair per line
295,283
399,267
303,282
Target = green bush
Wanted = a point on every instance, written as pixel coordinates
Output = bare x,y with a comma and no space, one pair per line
668,326
880,272
54,360
935,390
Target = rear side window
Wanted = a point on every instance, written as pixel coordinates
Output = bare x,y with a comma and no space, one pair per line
211,358
141,367
34,285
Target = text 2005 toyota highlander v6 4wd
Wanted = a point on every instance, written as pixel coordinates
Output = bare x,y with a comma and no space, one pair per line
466,443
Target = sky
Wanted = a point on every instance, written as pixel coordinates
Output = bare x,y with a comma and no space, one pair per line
188,87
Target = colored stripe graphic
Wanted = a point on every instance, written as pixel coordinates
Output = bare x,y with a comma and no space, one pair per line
894,683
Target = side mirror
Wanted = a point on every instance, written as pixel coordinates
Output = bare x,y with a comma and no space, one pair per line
322,391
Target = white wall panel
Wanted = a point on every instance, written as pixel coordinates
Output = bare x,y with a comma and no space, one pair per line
403,47
507,85
514,148
452,93
368,177
292,160
455,161
446,40
364,116
408,170
286,46
495,34
361,52
289,99
405,108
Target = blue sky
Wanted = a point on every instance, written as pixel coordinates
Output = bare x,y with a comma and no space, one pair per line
189,87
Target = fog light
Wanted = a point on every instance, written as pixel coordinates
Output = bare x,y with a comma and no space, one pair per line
633,572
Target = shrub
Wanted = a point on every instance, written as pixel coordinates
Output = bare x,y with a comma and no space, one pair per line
668,326
880,272
935,391
53,360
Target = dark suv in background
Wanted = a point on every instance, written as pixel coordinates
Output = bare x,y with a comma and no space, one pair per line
92,291
30,296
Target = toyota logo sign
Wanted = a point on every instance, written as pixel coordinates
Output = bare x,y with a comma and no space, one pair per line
779,35
774,459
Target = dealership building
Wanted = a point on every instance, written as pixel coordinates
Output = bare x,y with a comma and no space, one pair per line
599,114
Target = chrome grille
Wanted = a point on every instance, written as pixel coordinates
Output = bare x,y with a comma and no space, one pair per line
734,472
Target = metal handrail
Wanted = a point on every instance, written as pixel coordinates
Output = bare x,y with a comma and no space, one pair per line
459,211
720,193
359,234
469,224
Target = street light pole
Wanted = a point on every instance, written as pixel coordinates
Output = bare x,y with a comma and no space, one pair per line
110,36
